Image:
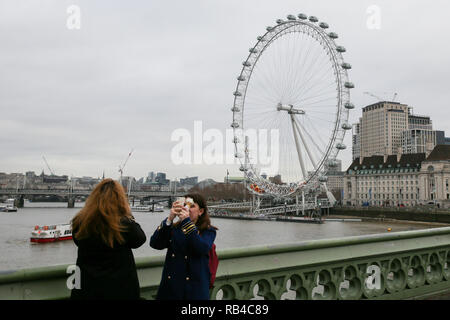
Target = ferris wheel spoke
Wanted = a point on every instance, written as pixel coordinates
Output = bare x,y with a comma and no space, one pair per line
297,145
318,84
307,77
305,144
319,89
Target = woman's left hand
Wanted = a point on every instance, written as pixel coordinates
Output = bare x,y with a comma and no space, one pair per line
184,213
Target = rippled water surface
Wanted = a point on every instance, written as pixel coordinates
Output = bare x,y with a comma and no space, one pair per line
16,251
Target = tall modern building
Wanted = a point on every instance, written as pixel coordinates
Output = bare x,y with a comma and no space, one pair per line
419,137
389,128
381,127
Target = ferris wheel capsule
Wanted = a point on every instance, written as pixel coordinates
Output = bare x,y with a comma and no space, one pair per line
324,25
340,49
341,146
253,50
237,94
235,109
346,65
349,85
246,64
323,179
280,21
333,35
269,28
291,17
235,125
302,16
241,78
346,126
313,19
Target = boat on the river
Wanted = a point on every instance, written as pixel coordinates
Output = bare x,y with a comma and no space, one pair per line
141,208
147,208
8,206
51,233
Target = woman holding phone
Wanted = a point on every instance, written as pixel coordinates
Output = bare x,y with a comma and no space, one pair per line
186,273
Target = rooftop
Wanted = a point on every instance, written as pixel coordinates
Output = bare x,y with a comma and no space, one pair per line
440,152
413,160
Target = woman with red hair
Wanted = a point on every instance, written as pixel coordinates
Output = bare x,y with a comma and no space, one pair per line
105,232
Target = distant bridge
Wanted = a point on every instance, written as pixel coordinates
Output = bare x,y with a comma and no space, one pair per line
75,193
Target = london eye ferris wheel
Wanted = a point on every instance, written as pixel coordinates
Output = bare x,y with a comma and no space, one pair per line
293,87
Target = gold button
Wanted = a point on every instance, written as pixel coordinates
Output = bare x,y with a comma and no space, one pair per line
168,277
187,278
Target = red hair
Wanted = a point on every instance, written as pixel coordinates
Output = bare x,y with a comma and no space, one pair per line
100,217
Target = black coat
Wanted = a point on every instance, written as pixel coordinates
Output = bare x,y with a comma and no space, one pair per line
109,273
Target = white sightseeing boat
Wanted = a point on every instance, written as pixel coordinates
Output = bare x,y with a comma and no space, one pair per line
147,208
8,206
51,233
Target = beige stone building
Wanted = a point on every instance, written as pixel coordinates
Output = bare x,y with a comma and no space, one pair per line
399,180
381,127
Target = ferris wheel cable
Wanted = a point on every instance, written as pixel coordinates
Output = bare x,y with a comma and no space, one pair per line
308,85
315,111
312,90
320,151
309,75
308,152
266,79
297,145
310,123
308,72
322,120
331,94
328,92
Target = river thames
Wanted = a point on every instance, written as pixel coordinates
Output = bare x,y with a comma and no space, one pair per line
17,252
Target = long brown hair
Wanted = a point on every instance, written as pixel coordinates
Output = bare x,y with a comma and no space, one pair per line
100,217
203,222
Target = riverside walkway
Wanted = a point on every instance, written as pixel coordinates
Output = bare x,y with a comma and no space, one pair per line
401,265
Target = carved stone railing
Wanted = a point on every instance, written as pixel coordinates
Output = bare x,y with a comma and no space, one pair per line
402,265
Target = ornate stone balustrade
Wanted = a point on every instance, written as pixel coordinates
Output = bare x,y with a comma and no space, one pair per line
402,265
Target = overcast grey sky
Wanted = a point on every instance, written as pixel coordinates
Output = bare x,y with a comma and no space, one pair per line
138,70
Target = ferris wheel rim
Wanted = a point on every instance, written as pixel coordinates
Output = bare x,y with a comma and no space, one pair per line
341,80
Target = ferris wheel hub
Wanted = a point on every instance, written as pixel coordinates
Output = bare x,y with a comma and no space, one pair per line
289,108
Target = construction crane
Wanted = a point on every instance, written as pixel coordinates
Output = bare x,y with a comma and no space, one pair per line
124,164
384,93
51,171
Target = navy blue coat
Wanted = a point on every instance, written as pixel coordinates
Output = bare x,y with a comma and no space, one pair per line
186,269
